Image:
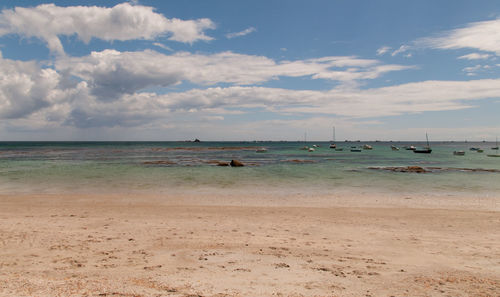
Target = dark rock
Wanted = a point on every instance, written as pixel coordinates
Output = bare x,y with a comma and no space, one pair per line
413,169
236,163
416,169
197,140
281,265
299,161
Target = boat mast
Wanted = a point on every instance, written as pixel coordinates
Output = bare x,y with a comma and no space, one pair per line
333,136
426,137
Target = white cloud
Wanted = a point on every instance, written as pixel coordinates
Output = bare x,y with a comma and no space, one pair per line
401,49
388,101
475,56
483,36
26,88
111,74
121,22
355,103
383,50
161,45
473,70
241,33
106,92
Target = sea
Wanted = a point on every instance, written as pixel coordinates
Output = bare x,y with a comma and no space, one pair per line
163,167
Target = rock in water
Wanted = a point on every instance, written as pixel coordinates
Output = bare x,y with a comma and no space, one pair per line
236,163
416,169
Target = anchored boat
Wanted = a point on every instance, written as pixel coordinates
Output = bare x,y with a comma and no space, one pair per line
495,148
424,150
496,145
333,145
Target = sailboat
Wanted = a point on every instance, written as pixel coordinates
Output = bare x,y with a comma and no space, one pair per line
496,145
424,150
333,145
305,147
495,148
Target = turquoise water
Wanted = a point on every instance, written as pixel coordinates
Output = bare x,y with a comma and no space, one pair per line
160,167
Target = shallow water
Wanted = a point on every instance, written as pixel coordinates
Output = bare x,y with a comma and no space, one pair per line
160,167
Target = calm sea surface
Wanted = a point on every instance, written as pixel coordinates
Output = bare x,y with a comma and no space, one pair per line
159,167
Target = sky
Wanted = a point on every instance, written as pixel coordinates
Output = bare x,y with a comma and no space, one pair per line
250,70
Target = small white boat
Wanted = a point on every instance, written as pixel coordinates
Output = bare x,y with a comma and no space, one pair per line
459,153
367,147
394,148
261,150
311,149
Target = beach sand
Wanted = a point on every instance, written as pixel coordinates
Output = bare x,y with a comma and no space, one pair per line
140,245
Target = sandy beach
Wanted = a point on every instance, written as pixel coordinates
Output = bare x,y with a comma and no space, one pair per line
139,245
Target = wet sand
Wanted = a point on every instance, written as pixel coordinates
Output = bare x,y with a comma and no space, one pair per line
140,245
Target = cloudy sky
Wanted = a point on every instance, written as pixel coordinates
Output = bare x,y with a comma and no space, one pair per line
245,70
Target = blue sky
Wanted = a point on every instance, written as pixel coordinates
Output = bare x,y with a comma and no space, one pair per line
235,70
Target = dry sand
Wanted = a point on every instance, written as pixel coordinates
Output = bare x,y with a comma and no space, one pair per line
140,245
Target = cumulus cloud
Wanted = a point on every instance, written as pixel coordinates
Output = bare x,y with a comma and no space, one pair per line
241,33
121,22
137,109
111,73
483,36
109,89
26,88
395,100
